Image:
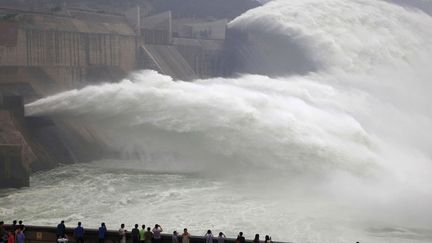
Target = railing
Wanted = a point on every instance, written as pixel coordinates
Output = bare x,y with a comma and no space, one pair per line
44,234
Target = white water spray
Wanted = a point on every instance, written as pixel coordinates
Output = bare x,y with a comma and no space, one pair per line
356,129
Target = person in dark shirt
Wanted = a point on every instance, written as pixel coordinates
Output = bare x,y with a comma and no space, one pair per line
101,233
61,230
3,233
256,239
240,238
79,233
135,234
14,226
21,226
268,239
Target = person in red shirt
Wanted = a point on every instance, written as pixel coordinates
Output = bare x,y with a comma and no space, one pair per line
11,237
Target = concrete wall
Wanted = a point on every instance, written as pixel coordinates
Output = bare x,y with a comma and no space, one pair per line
65,51
13,173
37,143
204,56
16,155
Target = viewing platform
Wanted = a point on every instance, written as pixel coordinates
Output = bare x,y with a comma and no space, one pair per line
45,234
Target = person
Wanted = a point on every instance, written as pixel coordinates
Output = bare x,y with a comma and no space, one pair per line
79,233
14,226
19,236
240,238
175,237
209,237
256,239
221,237
61,230
21,226
185,236
157,233
268,239
101,233
11,237
142,234
122,233
148,235
3,233
135,234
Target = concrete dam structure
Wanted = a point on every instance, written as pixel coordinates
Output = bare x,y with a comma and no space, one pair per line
46,51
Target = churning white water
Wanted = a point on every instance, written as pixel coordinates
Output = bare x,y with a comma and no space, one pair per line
341,154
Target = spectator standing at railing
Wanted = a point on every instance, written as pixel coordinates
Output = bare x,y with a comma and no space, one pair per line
79,233
175,237
268,239
61,230
221,237
240,238
102,232
135,234
3,233
20,237
157,233
122,233
21,226
148,235
256,239
209,237
11,237
142,234
14,226
185,236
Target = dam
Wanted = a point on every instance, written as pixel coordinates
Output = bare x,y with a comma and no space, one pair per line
304,120
53,47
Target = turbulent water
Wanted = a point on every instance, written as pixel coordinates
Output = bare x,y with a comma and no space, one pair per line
341,154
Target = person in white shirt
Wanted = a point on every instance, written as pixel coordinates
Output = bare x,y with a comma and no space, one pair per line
157,233
185,236
122,233
175,237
